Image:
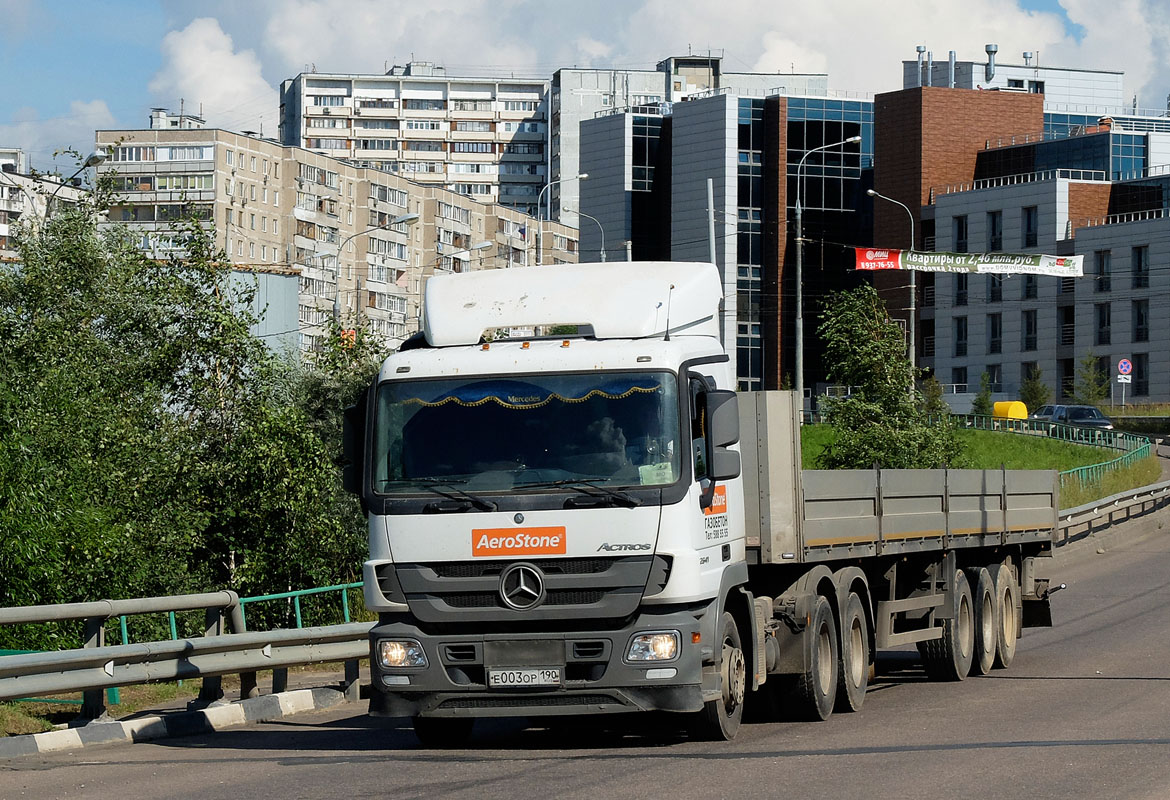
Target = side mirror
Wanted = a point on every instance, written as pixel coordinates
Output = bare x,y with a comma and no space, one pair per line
723,430
353,438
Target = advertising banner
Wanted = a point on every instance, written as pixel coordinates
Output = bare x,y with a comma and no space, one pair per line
873,258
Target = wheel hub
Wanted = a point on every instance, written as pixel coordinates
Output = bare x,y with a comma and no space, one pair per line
734,677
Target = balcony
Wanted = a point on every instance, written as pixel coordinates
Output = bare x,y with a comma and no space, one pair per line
1067,332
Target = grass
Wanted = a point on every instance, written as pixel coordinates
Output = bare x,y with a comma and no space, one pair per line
989,449
1143,473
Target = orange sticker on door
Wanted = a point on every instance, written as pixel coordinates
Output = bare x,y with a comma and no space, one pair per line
517,542
718,502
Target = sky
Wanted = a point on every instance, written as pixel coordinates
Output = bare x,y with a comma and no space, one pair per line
75,66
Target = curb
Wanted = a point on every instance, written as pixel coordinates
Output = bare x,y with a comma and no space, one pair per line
186,723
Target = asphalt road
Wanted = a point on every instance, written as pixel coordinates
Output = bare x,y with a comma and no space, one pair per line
1084,712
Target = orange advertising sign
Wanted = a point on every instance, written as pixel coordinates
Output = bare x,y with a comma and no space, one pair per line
718,502
518,541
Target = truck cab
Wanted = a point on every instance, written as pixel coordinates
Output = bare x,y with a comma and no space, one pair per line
556,523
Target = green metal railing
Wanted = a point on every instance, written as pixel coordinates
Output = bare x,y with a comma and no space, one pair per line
295,596
1133,447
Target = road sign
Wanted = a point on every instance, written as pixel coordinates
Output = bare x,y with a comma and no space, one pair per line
1124,367
1125,379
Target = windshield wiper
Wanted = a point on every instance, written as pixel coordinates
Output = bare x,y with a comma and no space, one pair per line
589,488
461,500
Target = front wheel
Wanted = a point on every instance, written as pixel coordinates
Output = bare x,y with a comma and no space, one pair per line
719,720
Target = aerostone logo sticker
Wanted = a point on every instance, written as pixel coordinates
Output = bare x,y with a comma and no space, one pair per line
495,542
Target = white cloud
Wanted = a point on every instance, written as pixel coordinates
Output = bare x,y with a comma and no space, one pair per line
43,138
202,69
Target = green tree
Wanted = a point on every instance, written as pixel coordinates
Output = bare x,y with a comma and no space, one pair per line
930,398
1091,384
982,406
879,422
1034,392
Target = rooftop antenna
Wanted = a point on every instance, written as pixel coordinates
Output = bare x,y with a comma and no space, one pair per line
669,293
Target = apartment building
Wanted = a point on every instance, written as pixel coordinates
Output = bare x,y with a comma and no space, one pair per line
24,197
482,137
354,242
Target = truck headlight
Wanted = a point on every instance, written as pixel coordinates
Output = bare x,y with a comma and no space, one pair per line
657,646
401,653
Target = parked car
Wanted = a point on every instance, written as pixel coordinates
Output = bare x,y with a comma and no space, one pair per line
1043,412
1089,418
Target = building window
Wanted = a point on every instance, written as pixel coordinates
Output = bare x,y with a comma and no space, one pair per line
995,376
419,104
959,233
1028,325
994,231
1029,290
1031,225
959,378
1141,373
994,288
1104,263
1015,83
1036,87
1067,317
995,333
960,290
1104,320
228,157
1027,368
960,336
1140,266
1141,320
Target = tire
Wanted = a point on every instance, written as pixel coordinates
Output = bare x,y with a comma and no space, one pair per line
719,720
443,732
985,610
1007,593
853,663
949,657
813,693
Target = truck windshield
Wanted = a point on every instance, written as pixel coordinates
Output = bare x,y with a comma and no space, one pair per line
501,434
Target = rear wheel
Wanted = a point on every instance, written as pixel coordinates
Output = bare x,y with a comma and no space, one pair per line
443,732
986,618
853,666
720,719
1007,593
813,693
949,658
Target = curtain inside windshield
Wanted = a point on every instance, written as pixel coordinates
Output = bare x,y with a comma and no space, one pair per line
499,434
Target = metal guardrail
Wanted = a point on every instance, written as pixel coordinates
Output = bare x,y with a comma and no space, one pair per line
215,654
220,607
1077,523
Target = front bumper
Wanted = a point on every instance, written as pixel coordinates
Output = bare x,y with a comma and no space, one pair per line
596,676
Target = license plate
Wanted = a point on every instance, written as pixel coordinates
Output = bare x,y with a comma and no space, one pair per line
542,676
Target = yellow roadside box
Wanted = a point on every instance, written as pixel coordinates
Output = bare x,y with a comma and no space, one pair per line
1010,409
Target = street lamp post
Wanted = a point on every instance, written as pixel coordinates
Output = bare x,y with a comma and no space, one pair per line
92,160
799,377
539,199
601,228
913,299
399,220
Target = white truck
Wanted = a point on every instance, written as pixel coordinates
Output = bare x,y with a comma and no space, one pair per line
595,521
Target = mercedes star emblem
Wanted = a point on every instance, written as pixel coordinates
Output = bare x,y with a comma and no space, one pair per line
522,587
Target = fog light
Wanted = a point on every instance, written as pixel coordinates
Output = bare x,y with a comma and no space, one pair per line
658,646
401,653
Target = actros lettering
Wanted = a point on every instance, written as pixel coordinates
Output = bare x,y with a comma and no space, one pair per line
609,548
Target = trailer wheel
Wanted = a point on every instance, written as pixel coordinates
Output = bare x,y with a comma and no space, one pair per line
986,617
949,657
853,665
443,732
1007,593
719,720
813,693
